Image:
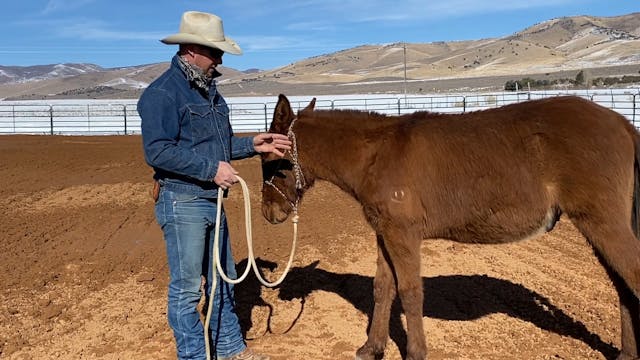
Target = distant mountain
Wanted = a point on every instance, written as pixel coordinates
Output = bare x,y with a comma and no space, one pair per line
13,74
50,81
554,48
559,44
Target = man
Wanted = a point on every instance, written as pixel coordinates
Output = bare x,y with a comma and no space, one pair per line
188,141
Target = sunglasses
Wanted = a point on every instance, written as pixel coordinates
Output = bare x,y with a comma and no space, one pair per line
215,53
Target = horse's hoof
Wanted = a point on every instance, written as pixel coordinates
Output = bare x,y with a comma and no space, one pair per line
360,357
364,357
366,353
626,357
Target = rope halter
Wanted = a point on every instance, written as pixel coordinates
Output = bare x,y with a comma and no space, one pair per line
297,173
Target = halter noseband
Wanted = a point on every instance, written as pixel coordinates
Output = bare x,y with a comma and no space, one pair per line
297,172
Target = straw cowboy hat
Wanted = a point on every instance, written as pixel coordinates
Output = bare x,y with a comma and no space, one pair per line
203,29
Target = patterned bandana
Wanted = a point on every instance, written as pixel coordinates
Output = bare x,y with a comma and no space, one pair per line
195,75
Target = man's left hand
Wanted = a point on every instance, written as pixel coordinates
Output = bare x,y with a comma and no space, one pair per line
271,143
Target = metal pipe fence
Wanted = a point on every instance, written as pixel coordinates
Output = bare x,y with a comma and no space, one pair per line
69,118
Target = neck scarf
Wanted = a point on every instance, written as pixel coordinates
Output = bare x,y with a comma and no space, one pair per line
195,75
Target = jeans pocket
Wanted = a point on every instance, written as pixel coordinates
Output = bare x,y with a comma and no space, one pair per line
171,204
183,198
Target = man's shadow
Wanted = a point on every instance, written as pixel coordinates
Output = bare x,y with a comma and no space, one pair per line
450,297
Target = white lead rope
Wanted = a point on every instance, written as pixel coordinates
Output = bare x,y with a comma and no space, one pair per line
251,261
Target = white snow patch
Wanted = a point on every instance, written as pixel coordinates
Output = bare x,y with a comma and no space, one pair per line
126,82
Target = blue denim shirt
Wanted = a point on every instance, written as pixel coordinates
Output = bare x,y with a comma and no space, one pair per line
186,134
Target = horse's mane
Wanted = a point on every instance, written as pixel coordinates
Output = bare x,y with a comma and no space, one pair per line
372,119
360,120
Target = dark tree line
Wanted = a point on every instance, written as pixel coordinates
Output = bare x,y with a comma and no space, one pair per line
582,79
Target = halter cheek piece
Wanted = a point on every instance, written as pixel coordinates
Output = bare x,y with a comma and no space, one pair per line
297,171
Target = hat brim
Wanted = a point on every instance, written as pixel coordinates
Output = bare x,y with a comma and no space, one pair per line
228,45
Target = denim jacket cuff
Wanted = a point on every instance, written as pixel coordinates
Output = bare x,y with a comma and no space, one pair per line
245,148
212,170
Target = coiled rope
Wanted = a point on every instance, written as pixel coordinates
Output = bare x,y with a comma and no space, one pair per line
251,261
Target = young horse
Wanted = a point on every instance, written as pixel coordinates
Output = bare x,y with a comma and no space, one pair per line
489,176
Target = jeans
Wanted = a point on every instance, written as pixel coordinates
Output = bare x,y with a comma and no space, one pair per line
188,223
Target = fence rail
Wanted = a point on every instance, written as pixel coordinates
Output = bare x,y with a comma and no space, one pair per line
100,117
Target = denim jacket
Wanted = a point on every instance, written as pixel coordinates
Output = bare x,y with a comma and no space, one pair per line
186,134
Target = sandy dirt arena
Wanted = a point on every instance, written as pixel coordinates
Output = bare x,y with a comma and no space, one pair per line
83,272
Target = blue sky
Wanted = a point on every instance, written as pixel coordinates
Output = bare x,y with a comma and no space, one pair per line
272,33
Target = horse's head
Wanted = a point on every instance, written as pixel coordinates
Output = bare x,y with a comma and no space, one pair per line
284,182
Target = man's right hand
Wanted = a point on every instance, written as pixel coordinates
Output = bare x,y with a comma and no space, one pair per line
226,175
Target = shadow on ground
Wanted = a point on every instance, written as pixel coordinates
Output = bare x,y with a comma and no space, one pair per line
451,297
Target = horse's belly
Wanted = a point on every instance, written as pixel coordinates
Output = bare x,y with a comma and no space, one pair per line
505,228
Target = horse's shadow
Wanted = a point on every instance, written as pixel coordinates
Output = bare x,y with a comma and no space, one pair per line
451,297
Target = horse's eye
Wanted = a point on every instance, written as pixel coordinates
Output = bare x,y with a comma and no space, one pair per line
275,168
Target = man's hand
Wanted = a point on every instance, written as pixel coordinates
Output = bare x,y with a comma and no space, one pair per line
226,175
271,143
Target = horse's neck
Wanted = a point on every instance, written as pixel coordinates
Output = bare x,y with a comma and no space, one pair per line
332,153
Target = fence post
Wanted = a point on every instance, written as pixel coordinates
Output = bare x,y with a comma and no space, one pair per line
633,117
88,118
13,113
266,118
398,106
51,119
124,108
464,104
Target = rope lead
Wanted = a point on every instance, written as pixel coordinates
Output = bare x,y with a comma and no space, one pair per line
251,263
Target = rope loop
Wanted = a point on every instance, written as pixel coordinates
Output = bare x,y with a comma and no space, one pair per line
251,263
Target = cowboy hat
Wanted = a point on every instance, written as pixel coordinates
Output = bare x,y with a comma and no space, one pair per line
203,29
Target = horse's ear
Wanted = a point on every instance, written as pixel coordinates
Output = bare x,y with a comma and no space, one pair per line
282,116
309,107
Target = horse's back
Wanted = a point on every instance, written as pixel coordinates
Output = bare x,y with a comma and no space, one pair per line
546,139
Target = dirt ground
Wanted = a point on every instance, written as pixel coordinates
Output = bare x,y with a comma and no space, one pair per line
83,272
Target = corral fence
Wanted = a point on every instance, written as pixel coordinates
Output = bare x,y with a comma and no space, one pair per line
86,117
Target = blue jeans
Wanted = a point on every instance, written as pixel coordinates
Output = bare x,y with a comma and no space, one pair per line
188,223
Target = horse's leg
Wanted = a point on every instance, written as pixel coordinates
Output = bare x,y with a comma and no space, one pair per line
403,248
384,292
618,247
630,319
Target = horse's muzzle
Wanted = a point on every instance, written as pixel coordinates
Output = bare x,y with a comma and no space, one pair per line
274,213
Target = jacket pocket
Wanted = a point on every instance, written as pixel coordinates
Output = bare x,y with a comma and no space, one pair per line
201,121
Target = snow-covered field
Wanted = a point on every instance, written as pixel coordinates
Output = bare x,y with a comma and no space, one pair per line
253,114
